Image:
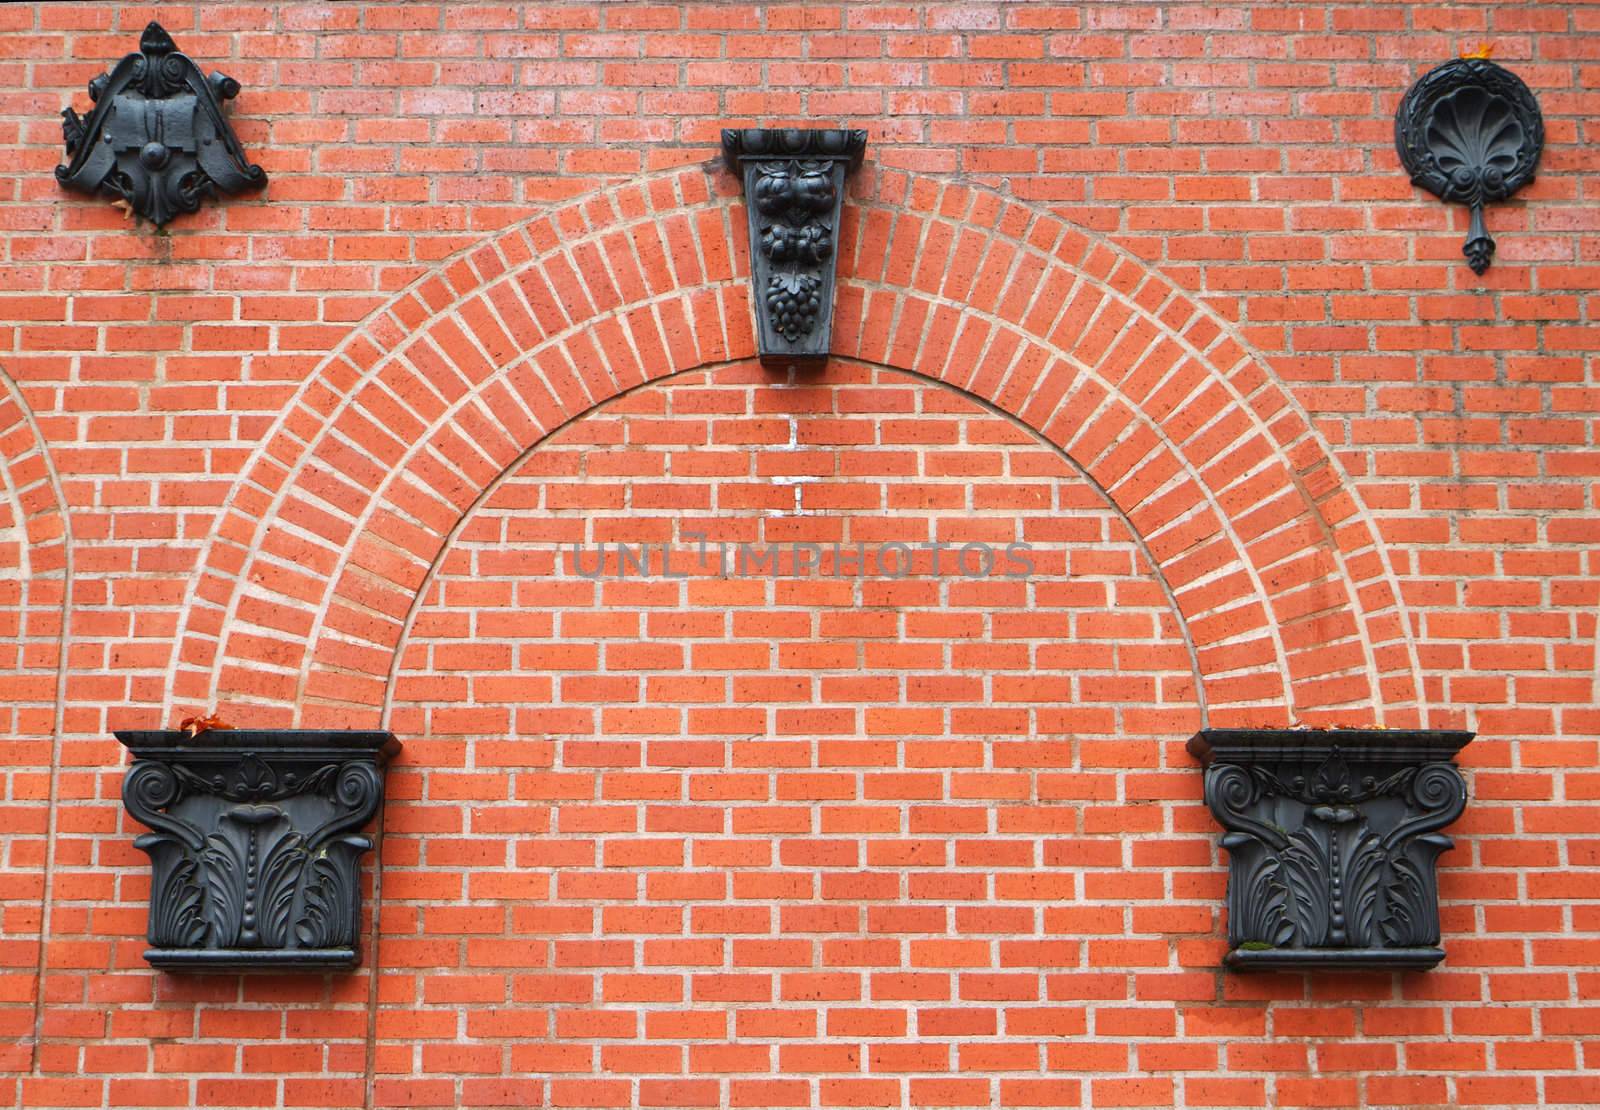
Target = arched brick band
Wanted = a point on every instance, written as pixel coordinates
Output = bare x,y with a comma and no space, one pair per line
35,557
304,589
33,552
35,573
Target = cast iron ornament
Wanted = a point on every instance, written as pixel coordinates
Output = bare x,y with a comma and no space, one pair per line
794,189
255,854
157,137
1333,842
1470,131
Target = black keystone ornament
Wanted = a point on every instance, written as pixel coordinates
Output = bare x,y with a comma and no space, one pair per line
255,848
1333,841
794,189
1470,131
157,137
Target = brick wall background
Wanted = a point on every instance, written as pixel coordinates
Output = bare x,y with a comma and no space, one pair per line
1142,284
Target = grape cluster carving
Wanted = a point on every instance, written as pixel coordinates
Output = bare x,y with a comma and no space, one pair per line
794,301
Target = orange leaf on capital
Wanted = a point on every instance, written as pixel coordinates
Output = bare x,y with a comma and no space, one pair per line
194,726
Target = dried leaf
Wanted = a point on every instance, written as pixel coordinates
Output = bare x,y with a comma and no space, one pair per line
194,726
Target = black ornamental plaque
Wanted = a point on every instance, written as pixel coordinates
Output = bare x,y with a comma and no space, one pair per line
157,137
1470,131
794,189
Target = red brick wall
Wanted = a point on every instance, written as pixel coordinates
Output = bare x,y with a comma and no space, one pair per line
769,830
1142,285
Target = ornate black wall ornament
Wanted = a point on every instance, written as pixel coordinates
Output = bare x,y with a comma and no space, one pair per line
1332,842
794,188
157,137
255,853
1471,132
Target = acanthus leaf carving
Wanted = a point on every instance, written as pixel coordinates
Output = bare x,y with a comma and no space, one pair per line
283,861
177,909
328,908
1368,864
1307,879
1257,903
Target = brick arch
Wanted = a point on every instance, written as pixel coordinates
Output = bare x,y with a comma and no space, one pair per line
304,590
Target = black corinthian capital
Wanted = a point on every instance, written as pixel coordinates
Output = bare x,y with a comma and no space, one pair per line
255,847
1332,842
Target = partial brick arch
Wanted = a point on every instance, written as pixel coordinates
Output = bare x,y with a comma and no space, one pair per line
35,527
35,565
35,552
303,593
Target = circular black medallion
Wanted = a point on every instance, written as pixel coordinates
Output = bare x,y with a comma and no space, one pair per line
1470,131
